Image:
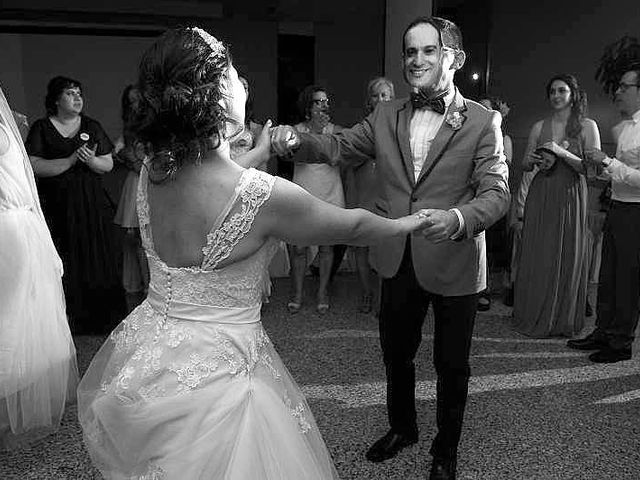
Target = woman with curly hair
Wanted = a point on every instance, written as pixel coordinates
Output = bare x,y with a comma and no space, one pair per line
189,384
323,181
551,282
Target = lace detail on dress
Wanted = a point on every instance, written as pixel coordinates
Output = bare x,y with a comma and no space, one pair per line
298,413
255,189
154,472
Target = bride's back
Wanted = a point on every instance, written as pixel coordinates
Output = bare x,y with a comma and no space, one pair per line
184,210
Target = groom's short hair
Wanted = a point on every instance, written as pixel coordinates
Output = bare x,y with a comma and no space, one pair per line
450,34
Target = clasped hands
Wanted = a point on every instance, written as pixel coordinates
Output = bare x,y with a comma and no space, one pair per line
595,157
438,225
85,154
545,156
284,140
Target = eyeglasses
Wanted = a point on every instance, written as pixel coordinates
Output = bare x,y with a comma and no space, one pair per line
73,93
321,101
623,87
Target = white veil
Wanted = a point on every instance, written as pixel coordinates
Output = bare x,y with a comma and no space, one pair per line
9,122
38,370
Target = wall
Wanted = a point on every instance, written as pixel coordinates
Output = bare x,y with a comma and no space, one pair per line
106,64
532,41
349,52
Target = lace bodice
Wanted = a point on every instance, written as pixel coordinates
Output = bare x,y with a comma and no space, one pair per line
235,285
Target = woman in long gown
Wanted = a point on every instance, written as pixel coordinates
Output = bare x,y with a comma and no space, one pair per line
189,385
551,283
69,152
38,372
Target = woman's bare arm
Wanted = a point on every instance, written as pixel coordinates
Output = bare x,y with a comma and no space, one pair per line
301,219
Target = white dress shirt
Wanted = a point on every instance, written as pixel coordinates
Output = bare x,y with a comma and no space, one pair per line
425,124
624,170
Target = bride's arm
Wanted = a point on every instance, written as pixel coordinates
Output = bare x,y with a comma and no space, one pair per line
299,218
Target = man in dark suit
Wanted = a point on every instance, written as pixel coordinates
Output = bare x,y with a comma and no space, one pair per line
441,152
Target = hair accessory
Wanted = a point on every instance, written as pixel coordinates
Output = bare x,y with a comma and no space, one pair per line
216,46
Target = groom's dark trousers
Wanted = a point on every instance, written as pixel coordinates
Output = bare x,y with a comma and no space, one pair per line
404,306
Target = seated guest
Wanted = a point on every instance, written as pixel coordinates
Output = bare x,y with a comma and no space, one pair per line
69,152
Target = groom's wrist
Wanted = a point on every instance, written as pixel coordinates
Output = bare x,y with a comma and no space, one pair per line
459,232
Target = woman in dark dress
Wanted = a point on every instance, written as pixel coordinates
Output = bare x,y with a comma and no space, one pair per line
551,283
69,152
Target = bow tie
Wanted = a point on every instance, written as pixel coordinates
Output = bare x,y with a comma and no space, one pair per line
419,100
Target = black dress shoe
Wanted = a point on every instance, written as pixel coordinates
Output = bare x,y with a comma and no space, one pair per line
609,355
484,303
388,446
588,343
443,469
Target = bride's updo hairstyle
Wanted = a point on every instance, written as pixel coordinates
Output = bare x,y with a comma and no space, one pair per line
181,113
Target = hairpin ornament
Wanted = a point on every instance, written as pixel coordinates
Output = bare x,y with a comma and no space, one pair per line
216,46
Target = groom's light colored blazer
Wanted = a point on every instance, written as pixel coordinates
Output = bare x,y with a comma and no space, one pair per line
465,168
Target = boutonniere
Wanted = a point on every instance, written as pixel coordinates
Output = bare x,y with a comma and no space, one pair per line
455,119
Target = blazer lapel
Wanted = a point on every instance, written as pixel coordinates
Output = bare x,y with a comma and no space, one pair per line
403,124
443,137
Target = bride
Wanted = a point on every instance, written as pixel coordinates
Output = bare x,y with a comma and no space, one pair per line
189,386
38,372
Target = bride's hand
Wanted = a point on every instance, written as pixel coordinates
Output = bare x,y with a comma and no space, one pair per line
422,220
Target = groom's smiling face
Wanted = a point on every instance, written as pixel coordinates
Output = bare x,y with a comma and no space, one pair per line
427,64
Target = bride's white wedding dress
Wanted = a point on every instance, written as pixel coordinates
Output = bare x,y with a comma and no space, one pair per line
189,386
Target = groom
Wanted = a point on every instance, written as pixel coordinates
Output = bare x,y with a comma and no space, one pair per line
441,152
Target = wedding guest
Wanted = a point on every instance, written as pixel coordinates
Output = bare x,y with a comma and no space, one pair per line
38,372
189,386
444,152
619,285
131,153
551,285
69,152
323,182
361,191
497,236
516,217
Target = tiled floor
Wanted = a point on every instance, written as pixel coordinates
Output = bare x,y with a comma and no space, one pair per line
536,410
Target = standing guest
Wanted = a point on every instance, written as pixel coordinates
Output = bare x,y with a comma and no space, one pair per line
516,221
69,152
551,286
135,270
360,189
38,372
441,152
619,285
497,235
323,182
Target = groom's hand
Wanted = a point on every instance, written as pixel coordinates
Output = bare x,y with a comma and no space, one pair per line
441,225
284,140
